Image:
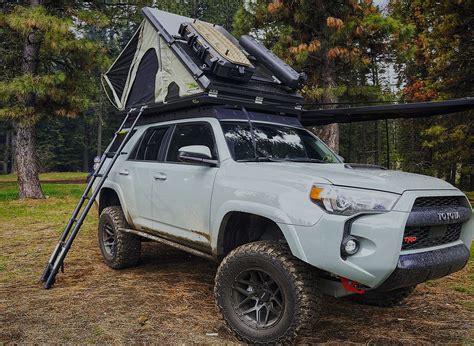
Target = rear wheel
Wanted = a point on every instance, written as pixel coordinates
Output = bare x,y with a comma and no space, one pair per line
119,249
266,295
383,299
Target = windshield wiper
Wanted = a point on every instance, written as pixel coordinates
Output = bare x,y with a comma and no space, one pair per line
260,159
307,159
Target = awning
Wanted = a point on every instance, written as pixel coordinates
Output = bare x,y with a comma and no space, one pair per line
393,111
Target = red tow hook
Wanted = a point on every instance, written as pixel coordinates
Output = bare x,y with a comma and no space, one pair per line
351,286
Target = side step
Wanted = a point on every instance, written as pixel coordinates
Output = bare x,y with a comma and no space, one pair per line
168,242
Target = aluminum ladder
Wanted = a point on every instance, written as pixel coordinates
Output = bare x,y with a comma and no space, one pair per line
56,261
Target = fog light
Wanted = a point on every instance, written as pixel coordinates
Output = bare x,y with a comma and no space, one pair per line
351,246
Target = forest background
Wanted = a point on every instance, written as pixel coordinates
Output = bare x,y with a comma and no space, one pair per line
52,54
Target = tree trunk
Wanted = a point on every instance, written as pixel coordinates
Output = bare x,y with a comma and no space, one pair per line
364,142
378,144
99,133
25,149
349,150
26,162
328,133
6,153
85,149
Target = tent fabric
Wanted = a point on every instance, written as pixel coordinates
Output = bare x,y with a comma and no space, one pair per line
145,69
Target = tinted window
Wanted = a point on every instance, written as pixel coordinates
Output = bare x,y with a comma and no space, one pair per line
275,142
150,144
191,134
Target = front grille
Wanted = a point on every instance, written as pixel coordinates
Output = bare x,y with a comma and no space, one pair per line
440,201
427,236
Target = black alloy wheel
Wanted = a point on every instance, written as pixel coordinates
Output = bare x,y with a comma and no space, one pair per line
109,238
120,249
257,299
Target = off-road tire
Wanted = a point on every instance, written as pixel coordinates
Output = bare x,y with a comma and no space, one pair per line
127,246
383,299
295,278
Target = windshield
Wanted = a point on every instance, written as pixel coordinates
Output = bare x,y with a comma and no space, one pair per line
275,143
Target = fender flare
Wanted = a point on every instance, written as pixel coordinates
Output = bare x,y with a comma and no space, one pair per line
116,188
276,215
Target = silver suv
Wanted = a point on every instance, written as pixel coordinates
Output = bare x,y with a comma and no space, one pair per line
288,221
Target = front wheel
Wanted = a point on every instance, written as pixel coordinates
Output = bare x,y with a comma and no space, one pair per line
266,295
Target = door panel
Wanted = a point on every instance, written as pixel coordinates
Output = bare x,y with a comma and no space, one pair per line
181,202
135,176
182,192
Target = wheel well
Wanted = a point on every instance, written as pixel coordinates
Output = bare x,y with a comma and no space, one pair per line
108,198
240,228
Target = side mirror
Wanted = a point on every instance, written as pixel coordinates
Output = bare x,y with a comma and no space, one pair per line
196,154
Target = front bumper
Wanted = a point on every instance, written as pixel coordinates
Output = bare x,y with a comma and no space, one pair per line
416,268
380,255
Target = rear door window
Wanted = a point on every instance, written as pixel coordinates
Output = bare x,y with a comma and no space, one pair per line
149,147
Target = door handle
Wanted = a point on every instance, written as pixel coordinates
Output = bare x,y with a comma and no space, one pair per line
123,172
160,176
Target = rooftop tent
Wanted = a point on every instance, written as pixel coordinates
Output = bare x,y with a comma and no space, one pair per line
147,71
171,56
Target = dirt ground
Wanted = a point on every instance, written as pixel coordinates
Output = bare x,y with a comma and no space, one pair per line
168,298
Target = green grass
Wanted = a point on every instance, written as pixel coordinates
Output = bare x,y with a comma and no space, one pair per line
9,190
55,209
48,176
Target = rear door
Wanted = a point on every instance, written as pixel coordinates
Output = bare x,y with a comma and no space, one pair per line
182,191
136,175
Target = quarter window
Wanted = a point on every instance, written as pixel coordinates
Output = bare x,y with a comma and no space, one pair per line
191,134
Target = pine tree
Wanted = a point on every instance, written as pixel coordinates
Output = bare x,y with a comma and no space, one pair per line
58,63
439,66
334,42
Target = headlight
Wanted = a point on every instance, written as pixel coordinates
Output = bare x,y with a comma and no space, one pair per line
347,201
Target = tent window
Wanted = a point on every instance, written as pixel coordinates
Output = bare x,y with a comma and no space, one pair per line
143,88
119,71
173,92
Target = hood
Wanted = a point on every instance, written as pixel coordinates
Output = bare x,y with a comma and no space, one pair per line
357,177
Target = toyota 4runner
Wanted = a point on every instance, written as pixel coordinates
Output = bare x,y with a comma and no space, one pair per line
288,221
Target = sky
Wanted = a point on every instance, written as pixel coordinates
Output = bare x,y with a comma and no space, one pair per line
381,3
